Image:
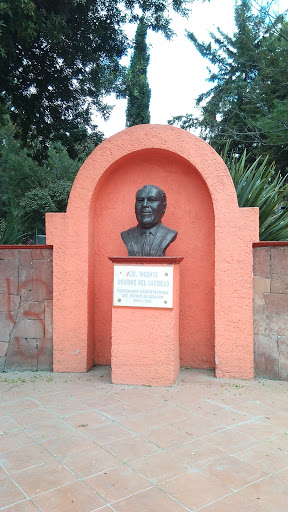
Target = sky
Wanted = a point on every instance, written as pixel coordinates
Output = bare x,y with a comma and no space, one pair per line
176,72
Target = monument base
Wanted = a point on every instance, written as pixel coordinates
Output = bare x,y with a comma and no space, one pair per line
145,340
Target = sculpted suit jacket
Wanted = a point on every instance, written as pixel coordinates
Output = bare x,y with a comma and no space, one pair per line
160,238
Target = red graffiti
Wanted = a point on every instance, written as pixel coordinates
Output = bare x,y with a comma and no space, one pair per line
26,313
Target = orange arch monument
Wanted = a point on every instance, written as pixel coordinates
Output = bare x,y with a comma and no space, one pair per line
215,239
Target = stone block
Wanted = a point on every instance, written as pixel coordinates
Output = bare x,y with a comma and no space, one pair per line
25,257
9,285
9,302
6,327
32,310
45,354
279,283
3,348
42,279
21,354
259,318
38,254
266,356
283,359
277,303
261,262
2,363
26,328
8,254
279,260
261,285
48,319
277,325
8,268
25,283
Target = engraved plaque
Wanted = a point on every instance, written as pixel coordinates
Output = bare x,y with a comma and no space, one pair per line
145,286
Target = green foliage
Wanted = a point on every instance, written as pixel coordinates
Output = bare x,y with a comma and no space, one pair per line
29,190
39,201
248,100
11,228
258,184
138,90
58,60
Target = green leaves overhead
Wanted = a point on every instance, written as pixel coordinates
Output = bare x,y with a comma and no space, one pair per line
58,60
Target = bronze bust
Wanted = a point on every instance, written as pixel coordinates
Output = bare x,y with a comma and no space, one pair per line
150,237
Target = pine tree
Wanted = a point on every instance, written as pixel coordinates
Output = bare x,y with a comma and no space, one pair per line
248,101
138,91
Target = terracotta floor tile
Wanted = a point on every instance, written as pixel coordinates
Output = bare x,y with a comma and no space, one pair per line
60,397
260,429
233,503
34,416
9,493
198,426
131,448
101,401
152,500
230,417
120,410
233,473
67,444
43,478
107,433
18,406
117,483
85,419
283,475
280,441
71,407
7,424
265,457
24,457
255,408
48,428
194,489
279,420
14,439
197,453
76,497
160,467
231,441
168,436
23,506
166,416
270,493
89,462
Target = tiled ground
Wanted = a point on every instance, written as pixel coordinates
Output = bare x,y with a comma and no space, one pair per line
77,443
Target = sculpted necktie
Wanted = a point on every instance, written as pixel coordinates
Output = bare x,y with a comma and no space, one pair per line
145,246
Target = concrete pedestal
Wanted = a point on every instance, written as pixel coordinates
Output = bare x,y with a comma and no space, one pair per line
145,340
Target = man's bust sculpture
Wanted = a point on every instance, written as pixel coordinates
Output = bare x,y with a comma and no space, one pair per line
150,237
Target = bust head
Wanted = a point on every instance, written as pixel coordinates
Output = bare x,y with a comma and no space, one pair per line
150,206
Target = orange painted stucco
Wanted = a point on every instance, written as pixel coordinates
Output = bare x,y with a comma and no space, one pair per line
215,238
145,341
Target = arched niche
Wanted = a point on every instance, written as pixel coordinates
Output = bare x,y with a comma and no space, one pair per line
215,237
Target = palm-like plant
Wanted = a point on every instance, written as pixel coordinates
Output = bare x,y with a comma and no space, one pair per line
259,185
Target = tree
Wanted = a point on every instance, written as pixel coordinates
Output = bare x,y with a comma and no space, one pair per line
138,91
248,102
58,60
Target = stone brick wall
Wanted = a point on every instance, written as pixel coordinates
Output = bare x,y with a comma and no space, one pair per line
270,271
25,308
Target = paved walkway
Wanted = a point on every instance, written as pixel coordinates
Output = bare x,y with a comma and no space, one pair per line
77,443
